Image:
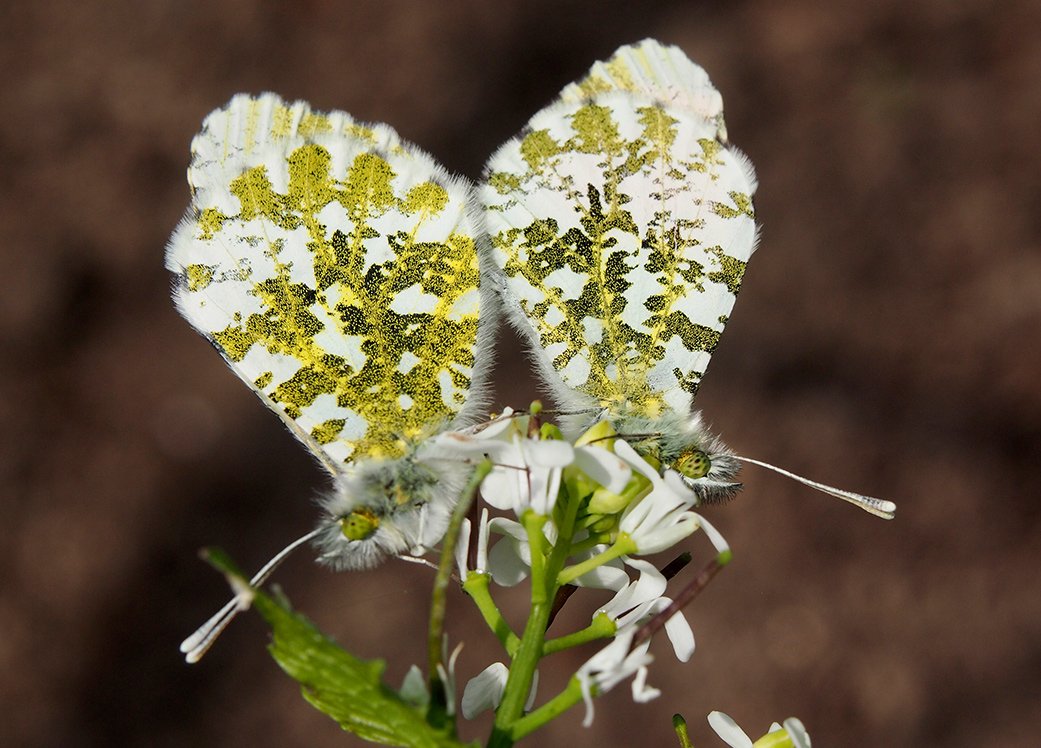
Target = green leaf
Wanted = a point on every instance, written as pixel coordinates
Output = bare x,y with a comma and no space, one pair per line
344,687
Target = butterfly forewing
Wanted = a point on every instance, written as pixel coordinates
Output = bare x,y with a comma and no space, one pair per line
336,270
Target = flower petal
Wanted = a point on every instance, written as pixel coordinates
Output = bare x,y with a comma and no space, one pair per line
642,692
548,453
680,634
484,691
414,687
462,549
714,535
656,526
604,467
797,732
647,587
727,729
604,577
612,665
509,560
631,456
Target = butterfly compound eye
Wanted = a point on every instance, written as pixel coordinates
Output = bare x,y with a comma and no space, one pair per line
693,464
359,524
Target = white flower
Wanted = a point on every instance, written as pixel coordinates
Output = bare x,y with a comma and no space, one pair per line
648,586
527,471
735,737
414,686
527,475
796,731
612,665
462,547
510,559
484,691
603,466
641,600
663,517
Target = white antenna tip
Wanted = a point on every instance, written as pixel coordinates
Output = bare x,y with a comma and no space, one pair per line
878,507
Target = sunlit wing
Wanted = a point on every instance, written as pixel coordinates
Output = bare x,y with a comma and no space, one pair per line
622,223
335,268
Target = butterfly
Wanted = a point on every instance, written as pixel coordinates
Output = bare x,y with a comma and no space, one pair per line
337,270
355,286
621,222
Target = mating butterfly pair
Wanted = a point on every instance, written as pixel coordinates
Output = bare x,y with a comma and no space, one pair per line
355,285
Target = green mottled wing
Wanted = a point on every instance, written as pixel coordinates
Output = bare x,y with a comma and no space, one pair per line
336,270
622,223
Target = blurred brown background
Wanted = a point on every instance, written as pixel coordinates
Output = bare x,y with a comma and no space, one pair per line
887,340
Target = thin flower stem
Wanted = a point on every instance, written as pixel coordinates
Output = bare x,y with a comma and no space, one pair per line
684,598
477,586
526,659
622,547
680,726
437,713
571,695
602,627
591,542
533,524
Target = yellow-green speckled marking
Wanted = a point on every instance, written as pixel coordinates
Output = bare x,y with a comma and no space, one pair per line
622,223
336,270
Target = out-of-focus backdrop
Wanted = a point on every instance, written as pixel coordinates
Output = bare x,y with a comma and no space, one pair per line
886,340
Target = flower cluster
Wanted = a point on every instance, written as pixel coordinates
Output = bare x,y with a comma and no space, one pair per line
572,514
562,515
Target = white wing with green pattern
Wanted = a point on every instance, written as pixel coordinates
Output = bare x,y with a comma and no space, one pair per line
336,269
621,222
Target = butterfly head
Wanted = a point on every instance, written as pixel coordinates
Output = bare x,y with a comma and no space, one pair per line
386,507
685,444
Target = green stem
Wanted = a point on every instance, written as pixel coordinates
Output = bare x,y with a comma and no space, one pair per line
549,711
591,542
622,547
437,714
533,524
602,627
477,587
522,672
544,586
680,726
526,660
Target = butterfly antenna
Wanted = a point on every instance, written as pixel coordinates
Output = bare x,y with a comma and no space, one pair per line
878,507
418,560
196,645
573,412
